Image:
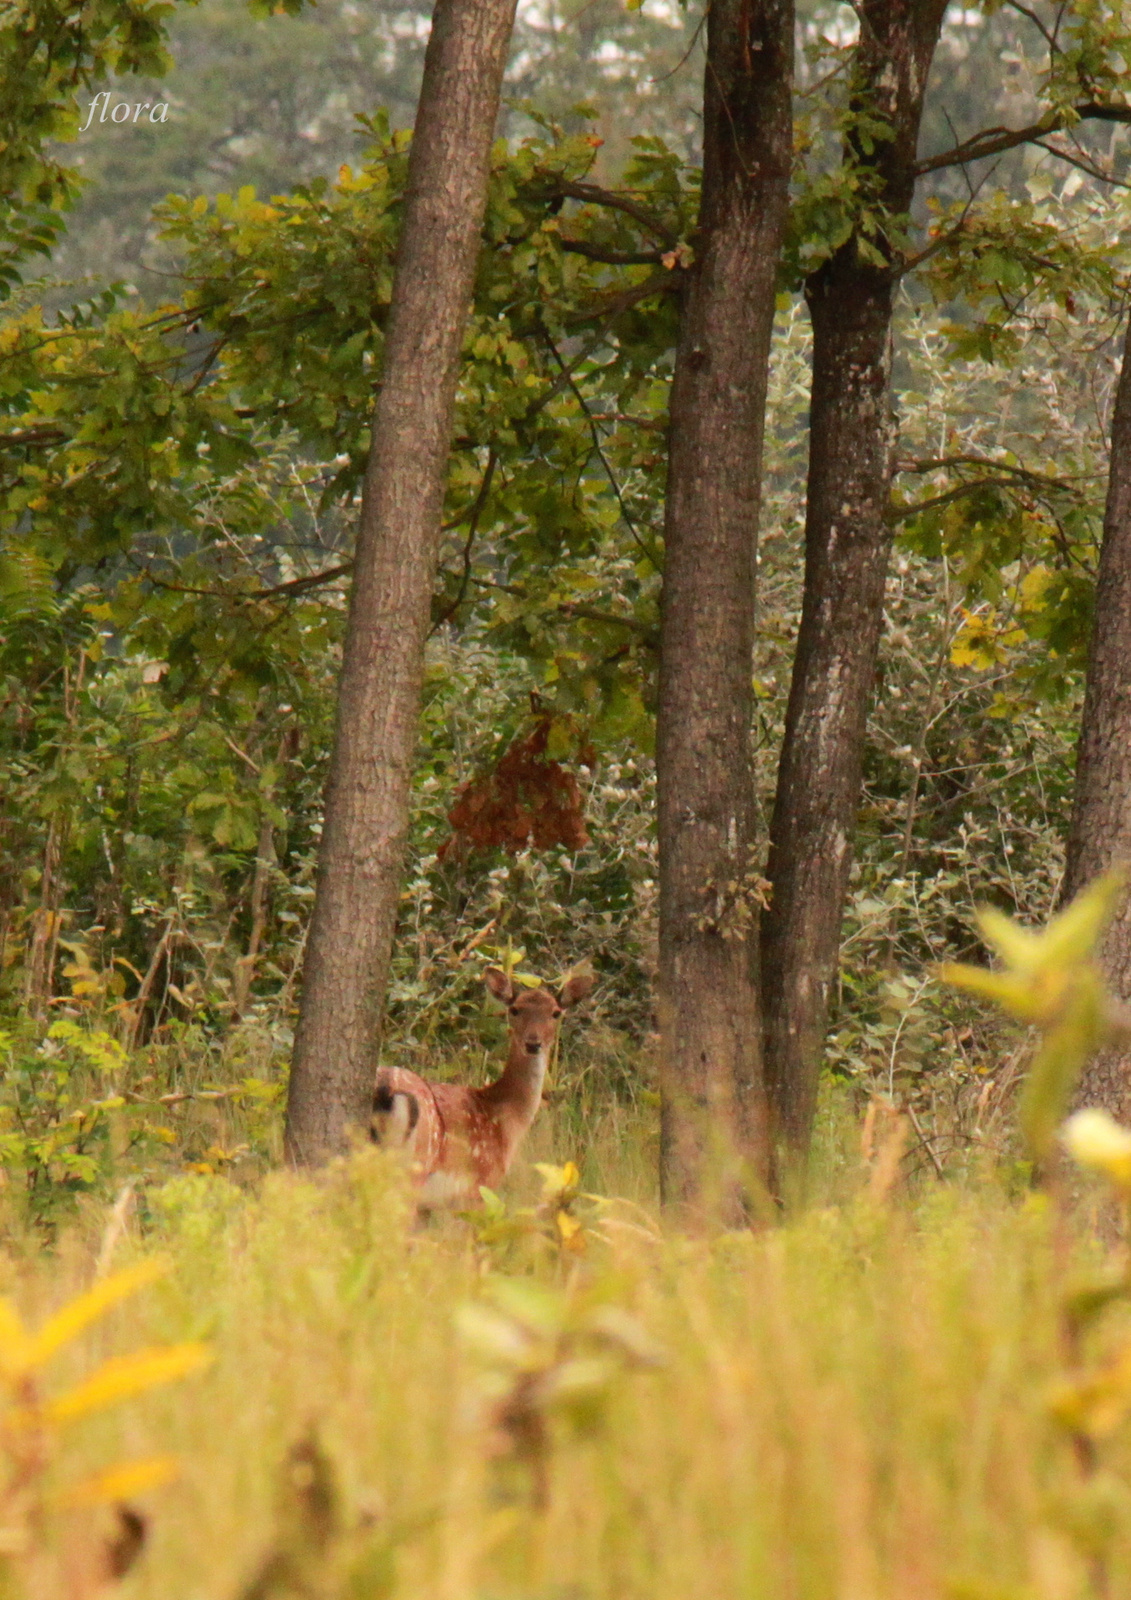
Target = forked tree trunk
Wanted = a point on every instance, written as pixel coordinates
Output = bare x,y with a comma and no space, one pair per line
367,798
1100,832
847,546
713,1094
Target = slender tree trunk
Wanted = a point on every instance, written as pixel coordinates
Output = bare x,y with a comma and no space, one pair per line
1100,832
713,1094
39,975
847,545
244,974
367,799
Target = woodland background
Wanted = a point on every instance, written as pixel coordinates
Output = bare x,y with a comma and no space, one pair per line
912,1382
187,391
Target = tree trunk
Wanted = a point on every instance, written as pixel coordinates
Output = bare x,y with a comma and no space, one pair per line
244,973
713,1094
45,920
1100,832
367,798
847,545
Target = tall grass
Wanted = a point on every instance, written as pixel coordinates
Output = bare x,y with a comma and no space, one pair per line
851,1406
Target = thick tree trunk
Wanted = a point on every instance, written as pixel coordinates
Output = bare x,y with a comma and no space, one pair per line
1100,832
847,544
713,1094
367,799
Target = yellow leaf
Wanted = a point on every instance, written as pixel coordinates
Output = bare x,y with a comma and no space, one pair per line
123,1376
124,1482
975,645
568,1228
558,1182
70,1321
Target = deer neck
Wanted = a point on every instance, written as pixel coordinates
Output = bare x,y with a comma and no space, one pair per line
517,1094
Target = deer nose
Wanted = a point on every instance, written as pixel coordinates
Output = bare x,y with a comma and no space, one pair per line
532,1047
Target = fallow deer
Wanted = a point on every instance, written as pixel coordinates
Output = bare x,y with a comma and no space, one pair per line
458,1138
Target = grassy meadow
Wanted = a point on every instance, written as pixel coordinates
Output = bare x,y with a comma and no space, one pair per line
855,1404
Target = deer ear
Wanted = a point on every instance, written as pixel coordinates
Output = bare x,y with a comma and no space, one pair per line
576,988
499,984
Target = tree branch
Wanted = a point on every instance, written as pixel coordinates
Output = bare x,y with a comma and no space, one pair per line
992,141
44,435
647,632
593,194
1077,159
1024,11
1036,479
595,434
614,258
474,512
313,580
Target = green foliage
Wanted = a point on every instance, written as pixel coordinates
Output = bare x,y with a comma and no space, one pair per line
66,1127
49,52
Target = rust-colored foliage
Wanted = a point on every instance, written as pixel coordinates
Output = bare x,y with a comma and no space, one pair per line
527,799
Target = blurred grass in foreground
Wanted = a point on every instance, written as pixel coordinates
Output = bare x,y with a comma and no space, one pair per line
853,1406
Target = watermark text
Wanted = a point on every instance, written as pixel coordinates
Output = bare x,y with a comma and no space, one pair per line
124,110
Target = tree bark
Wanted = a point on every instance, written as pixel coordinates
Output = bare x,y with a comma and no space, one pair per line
367,799
713,1094
847,546
1100,831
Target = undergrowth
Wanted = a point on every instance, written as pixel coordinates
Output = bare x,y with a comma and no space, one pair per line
855,1404
914,1385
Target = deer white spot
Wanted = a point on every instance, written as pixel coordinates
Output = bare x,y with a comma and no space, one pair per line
444,1188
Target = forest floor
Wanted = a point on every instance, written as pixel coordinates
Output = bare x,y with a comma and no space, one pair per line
564,1399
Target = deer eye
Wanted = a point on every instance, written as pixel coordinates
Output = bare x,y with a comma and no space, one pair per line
513,1010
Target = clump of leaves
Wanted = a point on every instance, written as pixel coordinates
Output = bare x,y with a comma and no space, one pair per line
564,1218
33,1425
549,1361
528,798
1051,979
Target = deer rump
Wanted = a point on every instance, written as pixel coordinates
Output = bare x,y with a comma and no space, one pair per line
452,1145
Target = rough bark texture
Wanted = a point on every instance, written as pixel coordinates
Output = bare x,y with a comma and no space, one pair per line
367,797
713,1093
1100,832
847,544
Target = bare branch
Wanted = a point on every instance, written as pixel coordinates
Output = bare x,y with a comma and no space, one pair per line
593,194
473,514
992,141
615,258
1024,11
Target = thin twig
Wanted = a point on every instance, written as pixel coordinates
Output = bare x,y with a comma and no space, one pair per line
474,512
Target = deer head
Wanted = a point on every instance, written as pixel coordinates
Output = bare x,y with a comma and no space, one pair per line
534,1013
